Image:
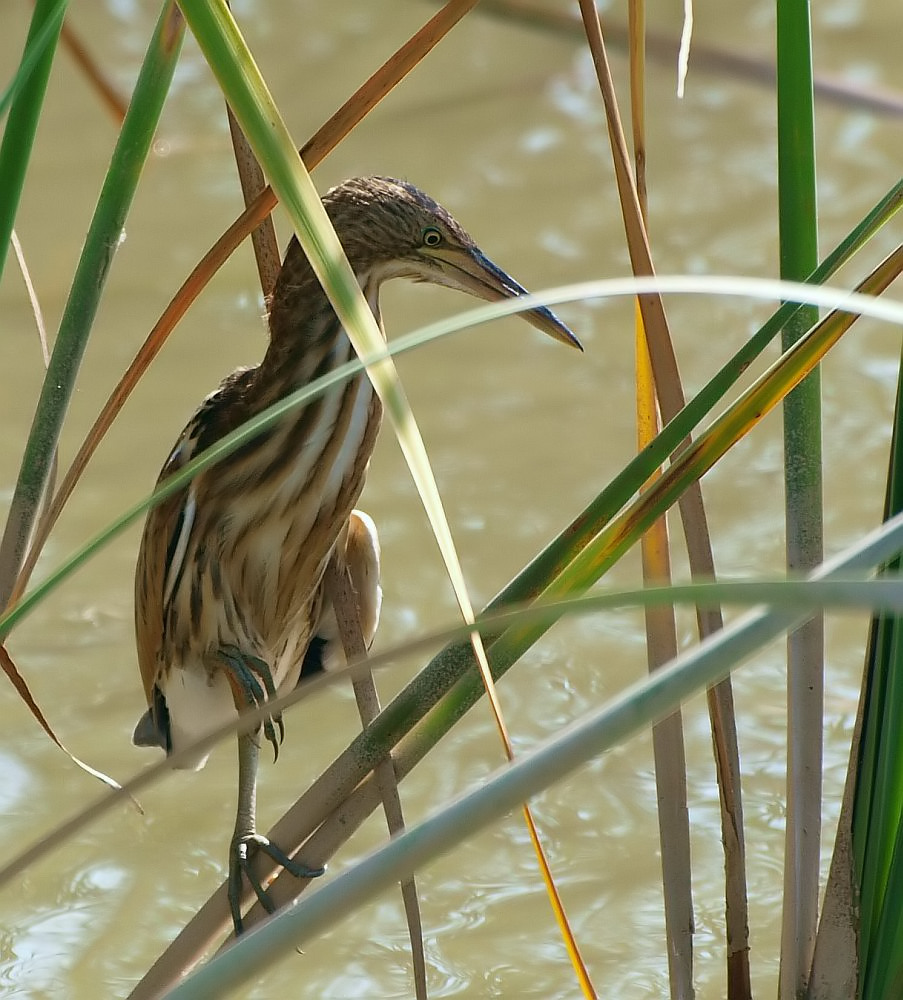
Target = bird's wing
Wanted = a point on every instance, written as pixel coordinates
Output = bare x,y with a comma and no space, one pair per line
171,525
161,561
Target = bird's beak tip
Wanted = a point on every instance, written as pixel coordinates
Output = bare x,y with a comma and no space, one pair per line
572,341
473,272
547,322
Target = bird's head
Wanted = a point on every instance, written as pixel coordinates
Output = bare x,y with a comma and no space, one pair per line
391,229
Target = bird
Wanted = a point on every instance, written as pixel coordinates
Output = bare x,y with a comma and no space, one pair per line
230,607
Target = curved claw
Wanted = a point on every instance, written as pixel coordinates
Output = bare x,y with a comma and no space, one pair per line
252,681
241,852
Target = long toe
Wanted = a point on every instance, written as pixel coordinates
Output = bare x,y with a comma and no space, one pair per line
241,854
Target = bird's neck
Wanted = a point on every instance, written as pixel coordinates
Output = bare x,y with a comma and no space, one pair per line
307,340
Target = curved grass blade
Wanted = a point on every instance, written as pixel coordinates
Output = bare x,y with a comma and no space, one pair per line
625,484
341,591
245,89
585,527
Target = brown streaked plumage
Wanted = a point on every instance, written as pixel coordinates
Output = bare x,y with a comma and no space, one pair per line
229,602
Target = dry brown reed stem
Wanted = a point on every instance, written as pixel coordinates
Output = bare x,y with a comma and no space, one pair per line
695,525
637,53
668,748
317,148
253,183
340,589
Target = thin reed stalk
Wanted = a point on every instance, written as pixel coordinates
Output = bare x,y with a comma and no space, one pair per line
798,236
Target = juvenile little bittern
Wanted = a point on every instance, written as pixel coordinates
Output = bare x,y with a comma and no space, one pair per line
229,601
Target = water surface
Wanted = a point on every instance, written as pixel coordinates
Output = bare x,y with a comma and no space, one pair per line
504,126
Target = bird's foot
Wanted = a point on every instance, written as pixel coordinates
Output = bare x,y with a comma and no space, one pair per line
252,680
242,851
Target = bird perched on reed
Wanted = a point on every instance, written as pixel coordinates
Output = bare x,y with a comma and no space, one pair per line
229,603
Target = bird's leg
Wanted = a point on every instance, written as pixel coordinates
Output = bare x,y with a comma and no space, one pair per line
252,685
246,841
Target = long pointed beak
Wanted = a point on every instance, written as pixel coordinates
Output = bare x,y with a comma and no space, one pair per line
472,271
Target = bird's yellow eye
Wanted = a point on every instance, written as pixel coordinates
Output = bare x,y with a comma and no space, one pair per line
431,237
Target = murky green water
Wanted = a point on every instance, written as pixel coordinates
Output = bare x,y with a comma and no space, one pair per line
504,126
